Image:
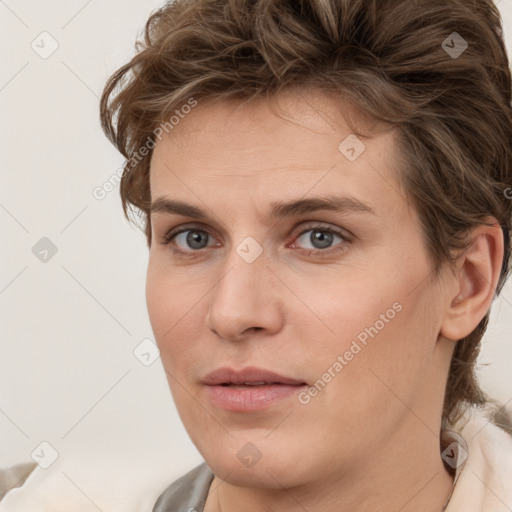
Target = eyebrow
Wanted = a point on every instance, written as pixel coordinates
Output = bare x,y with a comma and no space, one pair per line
279,209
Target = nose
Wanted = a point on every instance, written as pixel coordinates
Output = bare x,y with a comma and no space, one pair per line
245,300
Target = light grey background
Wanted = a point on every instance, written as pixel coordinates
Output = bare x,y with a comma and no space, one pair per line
68,327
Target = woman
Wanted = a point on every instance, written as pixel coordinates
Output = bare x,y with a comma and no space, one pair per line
325,186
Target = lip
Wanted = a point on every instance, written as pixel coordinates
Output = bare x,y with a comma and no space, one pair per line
225,388
226,375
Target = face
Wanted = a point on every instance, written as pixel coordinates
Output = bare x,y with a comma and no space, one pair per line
341,302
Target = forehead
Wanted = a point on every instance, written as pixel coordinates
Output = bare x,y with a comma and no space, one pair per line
305,145
290,112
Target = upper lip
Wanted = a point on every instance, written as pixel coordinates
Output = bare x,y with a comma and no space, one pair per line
227,375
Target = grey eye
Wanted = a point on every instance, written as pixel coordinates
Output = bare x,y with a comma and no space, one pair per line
194,238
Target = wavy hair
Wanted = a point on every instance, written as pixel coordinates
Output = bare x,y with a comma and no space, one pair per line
436,70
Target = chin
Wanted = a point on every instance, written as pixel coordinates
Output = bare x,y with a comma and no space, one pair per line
248,464
262,475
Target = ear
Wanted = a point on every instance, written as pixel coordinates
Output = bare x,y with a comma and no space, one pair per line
478,273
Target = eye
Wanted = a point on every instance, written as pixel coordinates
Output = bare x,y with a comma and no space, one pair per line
188,239
321,239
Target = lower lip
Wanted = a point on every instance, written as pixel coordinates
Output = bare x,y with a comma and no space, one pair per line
254,398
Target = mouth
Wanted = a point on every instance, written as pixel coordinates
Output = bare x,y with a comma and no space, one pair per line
249,376
248,384
249,389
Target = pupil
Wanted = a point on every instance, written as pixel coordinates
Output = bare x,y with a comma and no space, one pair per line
193,238
320,236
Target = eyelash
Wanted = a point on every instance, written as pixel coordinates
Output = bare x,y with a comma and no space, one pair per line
171,234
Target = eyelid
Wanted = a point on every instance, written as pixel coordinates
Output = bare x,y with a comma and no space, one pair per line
184,227
321,225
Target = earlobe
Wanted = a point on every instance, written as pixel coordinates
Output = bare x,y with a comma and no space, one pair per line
479,270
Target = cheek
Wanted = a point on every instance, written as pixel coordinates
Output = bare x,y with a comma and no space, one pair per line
393,363
158,302
378,376
373,322
343,308
168,295
176,313
165,307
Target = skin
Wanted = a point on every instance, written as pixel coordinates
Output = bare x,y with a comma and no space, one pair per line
370,439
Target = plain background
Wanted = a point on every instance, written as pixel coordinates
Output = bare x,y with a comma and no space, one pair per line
69,326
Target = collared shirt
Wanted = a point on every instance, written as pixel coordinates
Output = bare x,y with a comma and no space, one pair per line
475,451
14,476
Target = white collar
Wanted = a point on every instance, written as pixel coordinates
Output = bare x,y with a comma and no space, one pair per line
481,452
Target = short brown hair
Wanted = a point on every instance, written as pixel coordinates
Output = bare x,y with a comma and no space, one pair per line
401,62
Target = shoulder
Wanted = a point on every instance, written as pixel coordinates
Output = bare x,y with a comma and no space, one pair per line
116,481
188,492
14,476
484,480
